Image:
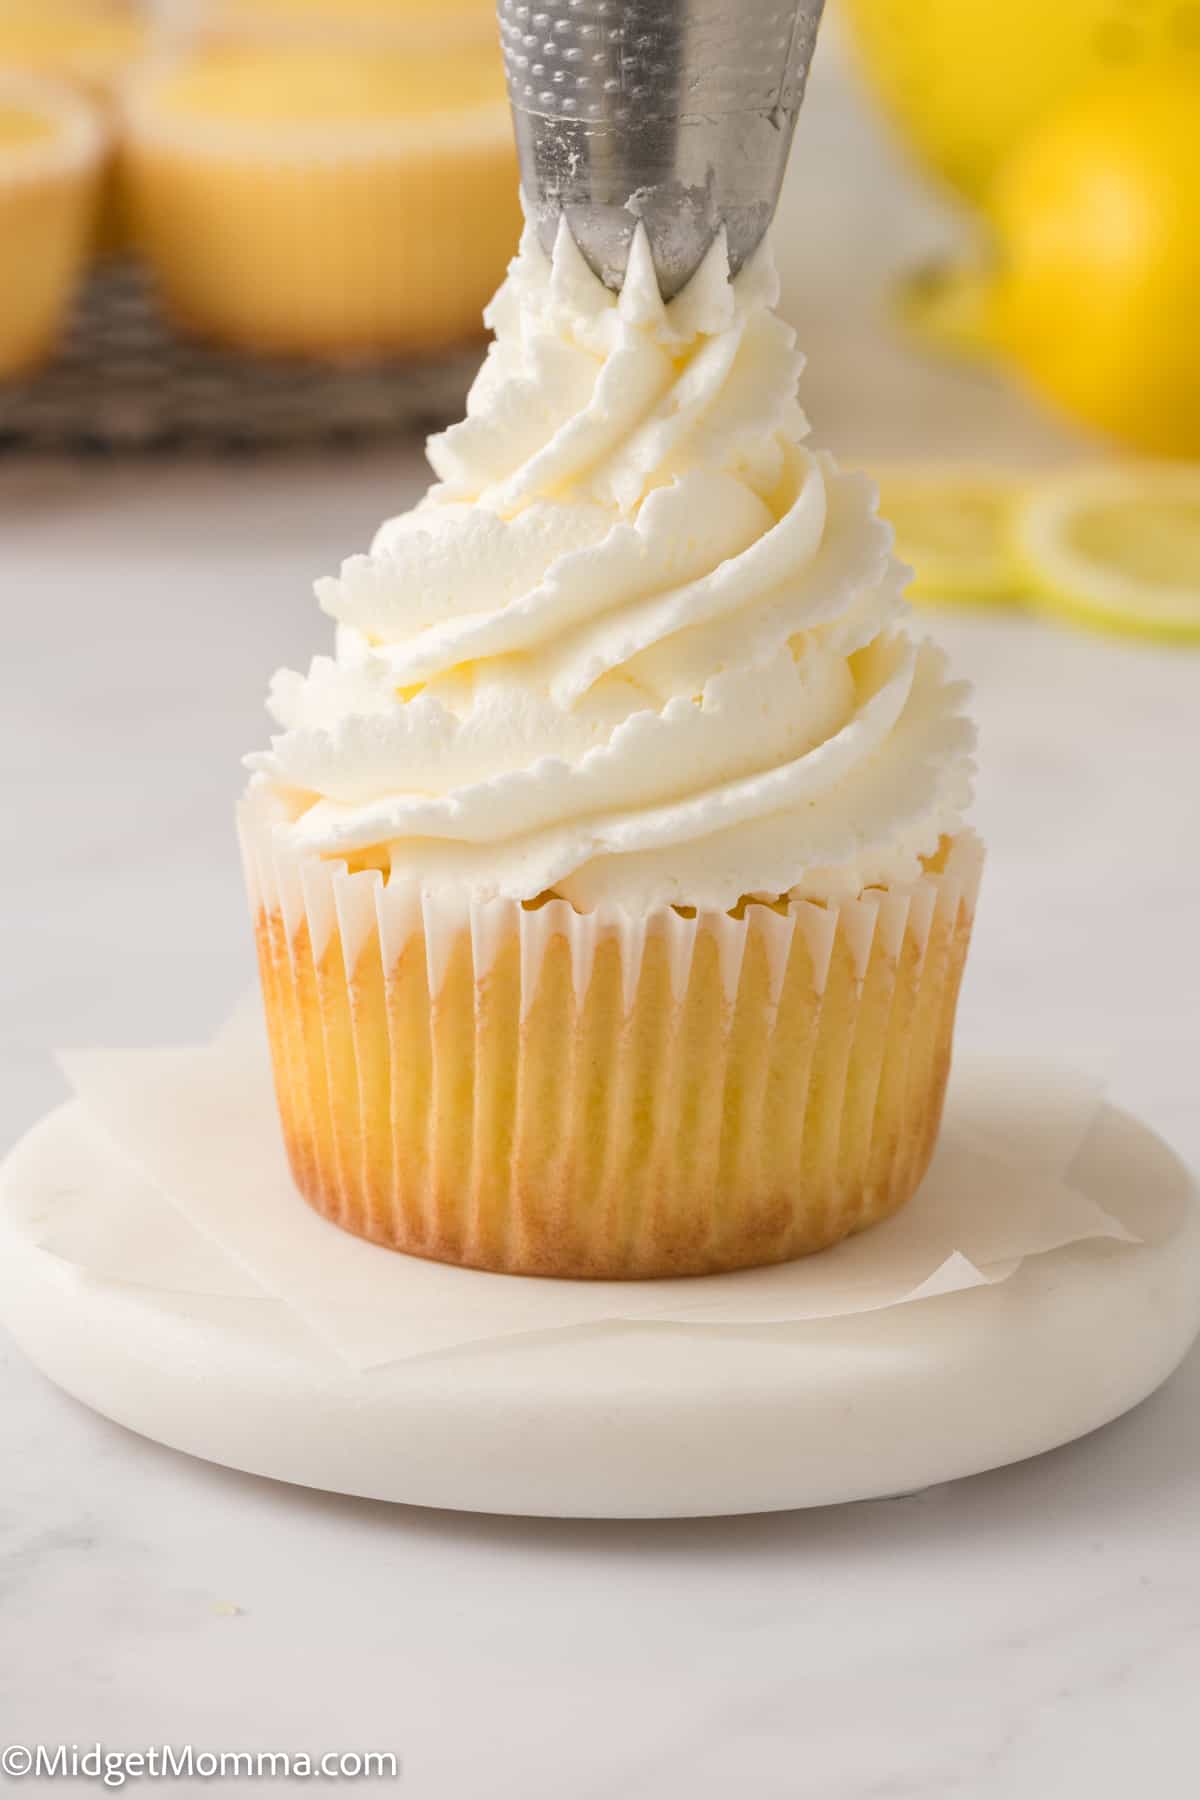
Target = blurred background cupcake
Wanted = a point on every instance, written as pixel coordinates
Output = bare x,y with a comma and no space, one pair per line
52,149
90,45
440,21
326,192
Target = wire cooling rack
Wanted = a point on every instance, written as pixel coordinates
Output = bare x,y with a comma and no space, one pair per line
122,383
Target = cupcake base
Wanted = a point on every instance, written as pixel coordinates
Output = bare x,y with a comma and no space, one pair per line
539,1092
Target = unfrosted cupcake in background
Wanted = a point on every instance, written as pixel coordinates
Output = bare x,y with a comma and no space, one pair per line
52,150
91,45
325,196
610,880
443,21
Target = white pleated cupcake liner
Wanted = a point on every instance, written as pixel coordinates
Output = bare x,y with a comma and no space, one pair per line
700,1124
325,896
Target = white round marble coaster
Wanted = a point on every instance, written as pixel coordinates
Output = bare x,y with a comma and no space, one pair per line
635,1421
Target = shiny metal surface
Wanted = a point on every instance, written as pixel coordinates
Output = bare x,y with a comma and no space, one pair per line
677,112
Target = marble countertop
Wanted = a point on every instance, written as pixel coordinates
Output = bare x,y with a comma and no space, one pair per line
1034,1632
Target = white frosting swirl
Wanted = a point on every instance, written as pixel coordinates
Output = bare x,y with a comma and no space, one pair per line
637,644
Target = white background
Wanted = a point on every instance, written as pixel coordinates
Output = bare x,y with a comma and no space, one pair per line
1034,1633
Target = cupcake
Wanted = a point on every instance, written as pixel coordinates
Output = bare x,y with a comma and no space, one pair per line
441,19
325,197
610,879
52,148
92,45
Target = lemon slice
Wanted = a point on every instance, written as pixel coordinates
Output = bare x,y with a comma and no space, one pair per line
1118,548
954,528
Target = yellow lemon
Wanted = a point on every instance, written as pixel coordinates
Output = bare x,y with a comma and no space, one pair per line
1097,297
1116,547
965,79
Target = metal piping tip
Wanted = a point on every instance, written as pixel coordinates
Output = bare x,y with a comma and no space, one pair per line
676,112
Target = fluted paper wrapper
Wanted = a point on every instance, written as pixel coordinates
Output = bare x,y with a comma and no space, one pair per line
537,1091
